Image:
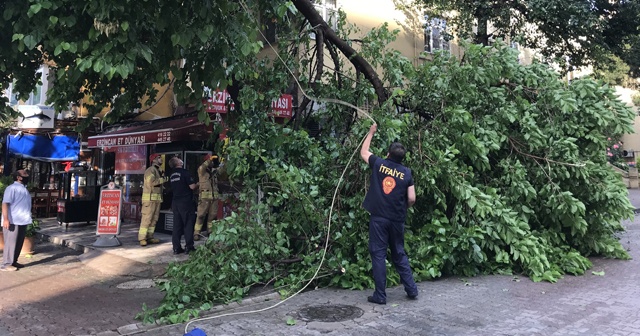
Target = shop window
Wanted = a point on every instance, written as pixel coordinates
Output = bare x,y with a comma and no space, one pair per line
39,94
328,9
435,36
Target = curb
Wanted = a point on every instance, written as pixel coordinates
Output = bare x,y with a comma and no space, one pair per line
91,257
64,242
137,328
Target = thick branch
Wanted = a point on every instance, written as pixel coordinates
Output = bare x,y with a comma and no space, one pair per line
319,57
306,8
336,63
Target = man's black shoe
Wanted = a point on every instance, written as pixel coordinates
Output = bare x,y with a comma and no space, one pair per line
17,265
412,297
189,250
372,300
178,251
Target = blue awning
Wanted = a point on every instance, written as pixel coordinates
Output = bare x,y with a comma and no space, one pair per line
43,148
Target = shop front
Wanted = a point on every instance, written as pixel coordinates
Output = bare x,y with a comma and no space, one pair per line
47,157
183,136
130,147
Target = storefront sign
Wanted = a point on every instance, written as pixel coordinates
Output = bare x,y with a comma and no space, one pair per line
217,102
162,131
282,107
131,159
132,139
109,212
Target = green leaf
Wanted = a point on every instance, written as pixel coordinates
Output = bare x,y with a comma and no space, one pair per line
146,54
8,13
175,39
601,273
34,9
246,49
291,321
30,42
98,65
53,19
124,26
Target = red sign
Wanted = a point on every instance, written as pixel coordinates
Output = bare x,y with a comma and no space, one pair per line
217,102
109,212
282,107
131,159
132,139
166,131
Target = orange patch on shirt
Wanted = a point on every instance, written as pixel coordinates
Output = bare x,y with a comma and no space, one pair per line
388,184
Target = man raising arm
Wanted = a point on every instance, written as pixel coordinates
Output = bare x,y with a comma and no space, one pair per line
390,193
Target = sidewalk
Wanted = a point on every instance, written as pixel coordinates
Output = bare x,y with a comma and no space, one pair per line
634,198
127,259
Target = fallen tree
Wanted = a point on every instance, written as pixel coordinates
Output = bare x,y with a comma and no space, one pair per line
510,170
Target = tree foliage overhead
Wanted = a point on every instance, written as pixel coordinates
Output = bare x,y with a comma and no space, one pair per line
584,30
115,51
509,161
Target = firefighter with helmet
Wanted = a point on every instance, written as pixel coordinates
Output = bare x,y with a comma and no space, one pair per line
208,195
151,200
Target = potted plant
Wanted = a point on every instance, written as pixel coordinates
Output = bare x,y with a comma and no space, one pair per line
28,247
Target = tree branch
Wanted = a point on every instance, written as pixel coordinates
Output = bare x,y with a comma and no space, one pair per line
306,8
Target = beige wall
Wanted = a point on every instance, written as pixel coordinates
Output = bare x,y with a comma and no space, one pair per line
373,13
630,142
163,108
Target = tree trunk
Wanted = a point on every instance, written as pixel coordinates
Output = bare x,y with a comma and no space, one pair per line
309,12
482,36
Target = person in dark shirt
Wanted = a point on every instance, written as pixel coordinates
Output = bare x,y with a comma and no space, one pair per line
390,195
182,205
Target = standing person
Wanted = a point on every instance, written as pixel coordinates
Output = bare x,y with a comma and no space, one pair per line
182,205
208,195
151,200
16,215
390,195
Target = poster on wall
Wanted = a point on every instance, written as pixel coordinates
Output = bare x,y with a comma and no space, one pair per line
131,159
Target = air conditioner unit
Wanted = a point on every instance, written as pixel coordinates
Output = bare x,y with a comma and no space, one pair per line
628,153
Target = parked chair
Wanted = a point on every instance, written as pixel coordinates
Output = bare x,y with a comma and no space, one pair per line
52,209
40,204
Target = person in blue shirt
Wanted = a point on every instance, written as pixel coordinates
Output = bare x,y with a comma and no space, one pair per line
390,194
183,206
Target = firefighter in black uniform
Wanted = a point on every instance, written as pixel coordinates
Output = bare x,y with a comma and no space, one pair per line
182,205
